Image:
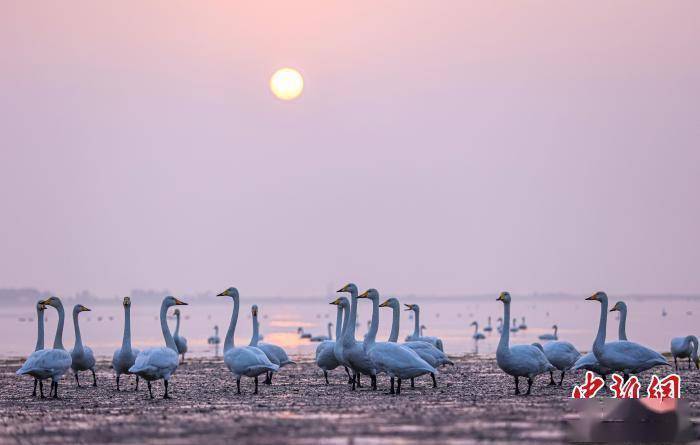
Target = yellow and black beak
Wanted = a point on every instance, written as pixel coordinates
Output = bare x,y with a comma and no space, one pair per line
363,294
385,304
84,309
46,302
615,308
501,297
409,307
345,288
180,303
593,297
223,294
335,302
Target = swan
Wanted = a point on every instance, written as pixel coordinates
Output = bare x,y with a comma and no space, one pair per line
303,334
82,358
682,347
39,344
563,355
625,356
522,326
499,328
488,327
432,355
50,363
351,352
519,360
214,339
417,330
180,341
477,335
515,326
317,338
242,361
274,353
325,355
622,326
125,357
550,336
397,361
159,363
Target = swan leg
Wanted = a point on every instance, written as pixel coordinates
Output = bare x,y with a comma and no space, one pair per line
150,391
41,388
347,371
256,385
238,385
373,378
432,374
118,382
689,367
35,383
76,378
354,379
325,374
391,390
561,380
675,361
55,390
94,377
166,396
551,378
137,383
529,385
412,383
269,379
398,386
517,390
359,383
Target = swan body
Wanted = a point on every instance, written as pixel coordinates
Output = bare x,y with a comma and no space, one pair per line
519,360
159,363
477,335
39,343
685,347
417,334
622,355
125,357
274,353
180,341
563,355
82,358
50,363
553,336
325,351
243,361
488,327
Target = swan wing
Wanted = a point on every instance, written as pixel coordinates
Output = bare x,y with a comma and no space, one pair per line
397,360
155,363
561,354
46,363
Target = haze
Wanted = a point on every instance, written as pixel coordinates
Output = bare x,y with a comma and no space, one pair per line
438,148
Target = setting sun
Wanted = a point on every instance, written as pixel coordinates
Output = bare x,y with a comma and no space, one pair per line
286,83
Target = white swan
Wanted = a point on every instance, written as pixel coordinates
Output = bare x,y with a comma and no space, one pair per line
39,344
274,353
477,335
325,355
82,358
563,355
519,360
180,341
351,352
514,328
316,338
488,327
523,326
242,361
432,355
397,361
553,336
685,347
125,357
303,334
214,339
417,334
159,363
499,328
50,363
625,356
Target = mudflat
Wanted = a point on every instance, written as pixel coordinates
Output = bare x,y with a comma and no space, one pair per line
473,402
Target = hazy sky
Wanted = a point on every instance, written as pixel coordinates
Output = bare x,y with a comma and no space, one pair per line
439,147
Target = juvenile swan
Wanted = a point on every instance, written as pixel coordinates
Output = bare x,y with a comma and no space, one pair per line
274,353
246,361
125,357
159,363
520,360
681,347
180,341
82,357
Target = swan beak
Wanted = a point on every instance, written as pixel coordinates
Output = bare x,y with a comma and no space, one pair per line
385,304
84,309
335,302
614,309
363,294
223,294
46,302
409,307
592,297
180,303
345,288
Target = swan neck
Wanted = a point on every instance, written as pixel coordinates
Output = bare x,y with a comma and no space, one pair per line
330,333
621,330
349,331
126,340
416,323
40,330
374,325
169,342
256,332
503,343
694,342
600,337
395,320
177,324
228,342
476,327
58,340
338,322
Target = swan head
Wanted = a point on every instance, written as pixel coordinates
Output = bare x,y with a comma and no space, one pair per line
78,308
391,302
473,323
53,302
254,310
555,327
412,307
599,296
504,297
176,312
423,326
40,306
341,301
172,301
126,302
619,306
230,292
350,287
372,294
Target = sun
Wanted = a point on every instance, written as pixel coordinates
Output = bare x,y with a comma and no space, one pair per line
286,83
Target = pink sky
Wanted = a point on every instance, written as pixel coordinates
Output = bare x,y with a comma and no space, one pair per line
438,148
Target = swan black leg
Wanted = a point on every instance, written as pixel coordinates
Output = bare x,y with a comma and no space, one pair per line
238,385
347,371
675,361
41,388
256,385
551,378
529,385
412,384
76,378
517,389
373,378
689,367
432,374
562,378
269,380
398,386
354,379
359,383
55,390
150,391
118,382
35,383
166,396
94,377
391,390
137,383
325,374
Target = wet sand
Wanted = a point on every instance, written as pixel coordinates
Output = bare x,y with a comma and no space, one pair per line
474,402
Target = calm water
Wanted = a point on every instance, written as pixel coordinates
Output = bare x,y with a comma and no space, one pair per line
447,318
